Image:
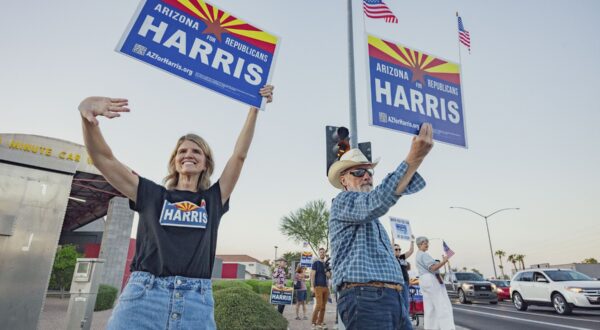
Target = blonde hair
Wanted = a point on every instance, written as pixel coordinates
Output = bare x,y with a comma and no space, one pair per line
172,179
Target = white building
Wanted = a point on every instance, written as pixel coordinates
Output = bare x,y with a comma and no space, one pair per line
254,268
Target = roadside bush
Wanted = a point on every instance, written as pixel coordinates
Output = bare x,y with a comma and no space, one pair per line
261,287
239,308
106,297
224,284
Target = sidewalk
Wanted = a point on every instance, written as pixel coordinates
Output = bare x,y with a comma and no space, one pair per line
290,314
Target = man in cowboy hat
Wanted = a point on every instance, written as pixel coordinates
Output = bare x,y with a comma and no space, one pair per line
364,267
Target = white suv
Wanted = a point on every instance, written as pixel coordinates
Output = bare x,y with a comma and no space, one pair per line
564,289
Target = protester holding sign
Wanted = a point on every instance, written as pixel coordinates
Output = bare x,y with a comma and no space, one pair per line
364,267
438,309
170,282
279,279
404,266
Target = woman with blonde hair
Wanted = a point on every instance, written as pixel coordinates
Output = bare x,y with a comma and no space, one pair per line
170,284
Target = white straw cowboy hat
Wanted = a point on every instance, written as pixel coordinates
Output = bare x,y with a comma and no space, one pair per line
350,158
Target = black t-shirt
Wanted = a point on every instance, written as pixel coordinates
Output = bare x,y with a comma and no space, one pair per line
320,275
403,265
177,230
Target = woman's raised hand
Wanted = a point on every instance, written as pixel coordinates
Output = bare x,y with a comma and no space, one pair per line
94,106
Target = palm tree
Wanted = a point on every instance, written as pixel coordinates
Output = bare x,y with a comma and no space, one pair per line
522,260
513,259
501,254
308,224
464,269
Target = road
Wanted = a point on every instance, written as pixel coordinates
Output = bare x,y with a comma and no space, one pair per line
505,316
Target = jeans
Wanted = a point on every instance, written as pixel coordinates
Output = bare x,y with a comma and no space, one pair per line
406,299
367,307
165,303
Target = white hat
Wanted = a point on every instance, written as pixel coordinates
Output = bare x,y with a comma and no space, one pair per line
350,158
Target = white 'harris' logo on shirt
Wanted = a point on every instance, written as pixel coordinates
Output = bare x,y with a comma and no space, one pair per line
184,214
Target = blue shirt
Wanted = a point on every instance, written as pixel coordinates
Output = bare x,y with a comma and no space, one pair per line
320,276
424,261
361,250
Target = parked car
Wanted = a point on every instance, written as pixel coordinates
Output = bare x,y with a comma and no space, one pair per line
470,287
502,289
563,289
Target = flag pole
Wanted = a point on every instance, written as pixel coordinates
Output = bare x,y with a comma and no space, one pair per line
458,41
351,84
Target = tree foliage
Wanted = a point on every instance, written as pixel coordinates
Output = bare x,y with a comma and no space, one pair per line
308,224
590,261
64,266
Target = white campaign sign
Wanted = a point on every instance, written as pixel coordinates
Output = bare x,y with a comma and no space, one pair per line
401,228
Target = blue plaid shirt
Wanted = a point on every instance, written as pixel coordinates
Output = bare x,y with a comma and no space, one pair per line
361,250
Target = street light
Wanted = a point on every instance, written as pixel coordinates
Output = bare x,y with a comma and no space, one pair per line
275,254
488,228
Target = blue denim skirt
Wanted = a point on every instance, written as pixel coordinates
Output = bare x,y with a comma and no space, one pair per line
165,303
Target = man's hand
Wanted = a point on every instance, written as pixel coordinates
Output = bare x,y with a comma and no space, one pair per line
444,258
421,145
94,106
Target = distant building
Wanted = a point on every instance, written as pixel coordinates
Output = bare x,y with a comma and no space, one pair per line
591,270
254,269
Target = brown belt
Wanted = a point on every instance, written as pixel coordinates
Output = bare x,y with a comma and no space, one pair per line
396,287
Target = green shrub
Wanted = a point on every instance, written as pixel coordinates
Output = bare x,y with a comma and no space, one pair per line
224,284
239,308
106,297
255,284
263,287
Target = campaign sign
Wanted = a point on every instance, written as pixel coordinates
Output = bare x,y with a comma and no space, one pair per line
306,259
281,296
408,88
401,228
203,44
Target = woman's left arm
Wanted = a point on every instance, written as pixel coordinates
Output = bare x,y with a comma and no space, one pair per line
232,170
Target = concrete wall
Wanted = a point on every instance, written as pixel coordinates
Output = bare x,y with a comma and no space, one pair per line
115,241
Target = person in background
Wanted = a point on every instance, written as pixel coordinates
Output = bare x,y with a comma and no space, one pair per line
404,266
300,286
437,306
318,279
279,278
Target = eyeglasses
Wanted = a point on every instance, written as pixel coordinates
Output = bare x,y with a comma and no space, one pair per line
396,249
359,173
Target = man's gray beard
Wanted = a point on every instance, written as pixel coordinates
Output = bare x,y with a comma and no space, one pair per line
366,188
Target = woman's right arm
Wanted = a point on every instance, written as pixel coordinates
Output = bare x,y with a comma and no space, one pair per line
439,265
117,174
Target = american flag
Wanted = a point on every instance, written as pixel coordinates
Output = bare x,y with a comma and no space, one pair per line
463,35
447,250
379,10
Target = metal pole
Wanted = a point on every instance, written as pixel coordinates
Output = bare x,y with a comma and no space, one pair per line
351,86
487,227
491,250
275,254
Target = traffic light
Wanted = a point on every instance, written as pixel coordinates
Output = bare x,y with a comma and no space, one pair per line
336,143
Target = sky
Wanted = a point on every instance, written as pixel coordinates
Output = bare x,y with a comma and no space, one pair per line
530,92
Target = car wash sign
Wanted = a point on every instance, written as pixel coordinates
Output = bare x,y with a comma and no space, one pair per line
408,88
203,44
